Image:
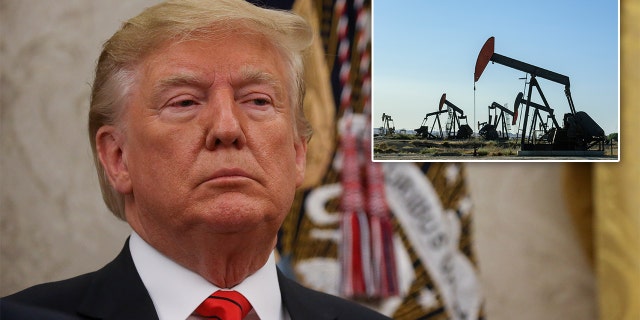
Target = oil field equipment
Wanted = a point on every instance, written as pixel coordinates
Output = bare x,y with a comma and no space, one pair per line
579,131
424,131
455,130
489,130
388,127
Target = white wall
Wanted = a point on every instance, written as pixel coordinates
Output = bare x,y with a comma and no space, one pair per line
531,262
53,221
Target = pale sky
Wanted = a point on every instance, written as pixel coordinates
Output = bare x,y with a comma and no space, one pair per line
424,48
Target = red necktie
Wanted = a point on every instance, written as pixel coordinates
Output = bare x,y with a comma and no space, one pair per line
224,305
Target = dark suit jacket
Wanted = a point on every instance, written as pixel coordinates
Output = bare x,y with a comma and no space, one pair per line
117,292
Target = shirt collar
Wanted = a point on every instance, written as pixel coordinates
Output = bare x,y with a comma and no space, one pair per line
176,291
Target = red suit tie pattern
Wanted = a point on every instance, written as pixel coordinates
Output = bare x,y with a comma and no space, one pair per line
224,305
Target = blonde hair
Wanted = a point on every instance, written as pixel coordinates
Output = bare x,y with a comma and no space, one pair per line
180,20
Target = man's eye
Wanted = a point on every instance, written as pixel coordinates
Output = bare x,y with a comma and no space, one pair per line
261,102
183,103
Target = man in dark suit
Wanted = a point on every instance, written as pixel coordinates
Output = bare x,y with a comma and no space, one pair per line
200,140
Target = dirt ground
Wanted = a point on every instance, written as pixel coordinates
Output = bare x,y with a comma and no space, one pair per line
406,148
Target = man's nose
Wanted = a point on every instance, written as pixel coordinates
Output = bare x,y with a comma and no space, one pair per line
225,122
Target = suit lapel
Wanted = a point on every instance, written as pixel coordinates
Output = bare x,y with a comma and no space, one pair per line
301,302
117,292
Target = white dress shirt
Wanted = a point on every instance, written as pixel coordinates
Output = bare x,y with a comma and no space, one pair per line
176,291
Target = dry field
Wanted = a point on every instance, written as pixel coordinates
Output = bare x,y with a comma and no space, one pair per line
409,148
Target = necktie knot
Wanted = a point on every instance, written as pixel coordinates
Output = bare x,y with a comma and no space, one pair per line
224,305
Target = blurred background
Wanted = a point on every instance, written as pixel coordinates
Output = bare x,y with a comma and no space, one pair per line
548,240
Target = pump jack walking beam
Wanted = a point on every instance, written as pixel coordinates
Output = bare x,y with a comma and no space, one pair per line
487,54
444,101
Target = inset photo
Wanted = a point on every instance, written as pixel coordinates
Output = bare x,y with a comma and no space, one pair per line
495,81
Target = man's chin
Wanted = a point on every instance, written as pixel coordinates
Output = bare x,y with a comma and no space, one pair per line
233,219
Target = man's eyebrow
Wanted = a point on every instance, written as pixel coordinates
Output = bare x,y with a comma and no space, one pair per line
254,75
247,76
250,75
177,80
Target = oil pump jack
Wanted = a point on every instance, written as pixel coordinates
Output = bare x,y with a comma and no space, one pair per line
389,128
456,114
424,131
489,129
579,131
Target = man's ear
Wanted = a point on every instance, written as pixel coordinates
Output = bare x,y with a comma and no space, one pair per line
301,159
109,146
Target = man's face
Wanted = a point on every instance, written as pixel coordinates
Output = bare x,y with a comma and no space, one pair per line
209,139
